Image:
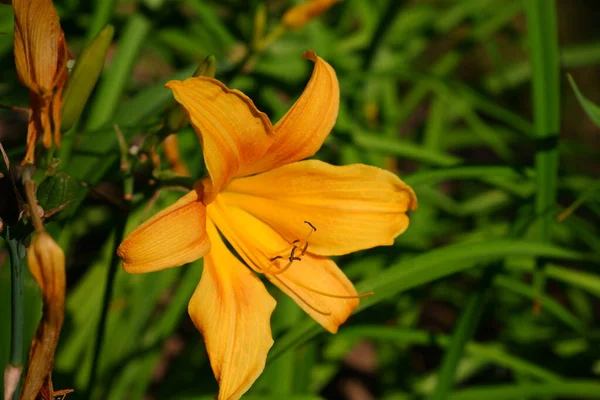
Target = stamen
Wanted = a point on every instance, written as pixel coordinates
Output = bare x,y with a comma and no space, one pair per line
301,298
335,296
304,249
311,225
292,257
282,270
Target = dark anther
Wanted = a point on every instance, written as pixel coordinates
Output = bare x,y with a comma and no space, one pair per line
292,254
296,241
311,225
275,258
304,249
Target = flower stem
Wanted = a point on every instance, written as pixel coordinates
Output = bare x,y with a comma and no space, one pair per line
108,292
17,257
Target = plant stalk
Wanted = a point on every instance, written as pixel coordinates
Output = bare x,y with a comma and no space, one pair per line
17,258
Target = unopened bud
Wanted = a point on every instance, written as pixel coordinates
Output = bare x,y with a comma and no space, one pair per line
82,80
171,148
208,67
46,262
300,15
260,22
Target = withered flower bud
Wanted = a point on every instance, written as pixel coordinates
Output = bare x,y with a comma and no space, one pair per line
46,262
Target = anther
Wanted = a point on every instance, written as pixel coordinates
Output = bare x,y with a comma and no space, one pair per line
292,258
311,225
304,249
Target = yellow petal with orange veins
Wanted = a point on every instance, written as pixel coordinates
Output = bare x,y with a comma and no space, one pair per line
352,207
233,133
173,237
232,310
304,128
312,282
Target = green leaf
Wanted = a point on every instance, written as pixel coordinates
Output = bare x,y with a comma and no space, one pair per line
58,193
82,80
573,389
592,110
492,352
425,268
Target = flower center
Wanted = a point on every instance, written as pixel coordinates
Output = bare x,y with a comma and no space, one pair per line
296,253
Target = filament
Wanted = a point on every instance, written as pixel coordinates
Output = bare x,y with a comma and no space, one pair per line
280,271
301,298
335,296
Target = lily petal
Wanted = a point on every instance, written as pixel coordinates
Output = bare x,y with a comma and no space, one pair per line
257,244
233,133
303,129
173,237
232,310
352,207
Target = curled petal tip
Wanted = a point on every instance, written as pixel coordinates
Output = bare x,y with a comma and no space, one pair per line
413,202
173,84
310,55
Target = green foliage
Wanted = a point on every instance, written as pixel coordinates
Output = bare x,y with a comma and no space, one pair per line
57,192
592,110
486,296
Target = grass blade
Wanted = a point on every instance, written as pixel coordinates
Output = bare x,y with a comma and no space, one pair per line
544,53
426,268
584,389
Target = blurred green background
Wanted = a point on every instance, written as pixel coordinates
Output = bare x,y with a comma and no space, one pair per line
487,295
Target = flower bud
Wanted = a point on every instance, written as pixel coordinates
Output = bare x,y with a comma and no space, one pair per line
87,70
41,56
46,262
300,15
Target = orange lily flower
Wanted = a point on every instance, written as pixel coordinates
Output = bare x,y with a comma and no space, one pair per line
41,56
283,217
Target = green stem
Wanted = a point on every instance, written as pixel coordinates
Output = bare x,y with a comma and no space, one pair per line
466,326
285,368
17,258
383,27
543,41
114,81
108,292
103,10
